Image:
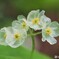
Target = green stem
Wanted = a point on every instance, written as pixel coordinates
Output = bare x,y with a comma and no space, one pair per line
33,46
36,33
32,34
33,43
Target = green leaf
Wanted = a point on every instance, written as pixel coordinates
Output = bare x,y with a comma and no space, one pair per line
19,53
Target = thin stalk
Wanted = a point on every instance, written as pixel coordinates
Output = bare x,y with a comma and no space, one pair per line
32,34
36,33
33,43
33,46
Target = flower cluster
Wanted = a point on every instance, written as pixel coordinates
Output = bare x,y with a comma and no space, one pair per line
15,35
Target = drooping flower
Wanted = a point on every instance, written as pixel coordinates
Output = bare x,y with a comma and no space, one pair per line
50,31
20,23
37,20
16,38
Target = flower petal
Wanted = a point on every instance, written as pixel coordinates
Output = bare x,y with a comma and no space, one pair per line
41,13
3,32
17,43
9,39
12,42
43,40
19,25
33,14
2,40
48,38
45,19
55,27
20,18
15,22
51,40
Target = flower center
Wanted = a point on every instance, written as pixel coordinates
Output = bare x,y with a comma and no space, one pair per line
5,36
35,21
48,30
23,25
17,36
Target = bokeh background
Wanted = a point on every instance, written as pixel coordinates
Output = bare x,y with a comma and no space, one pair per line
10,9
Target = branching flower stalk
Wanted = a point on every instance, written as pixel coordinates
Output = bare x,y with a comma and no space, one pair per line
33,42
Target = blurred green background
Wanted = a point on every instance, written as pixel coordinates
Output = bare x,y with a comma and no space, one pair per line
10,9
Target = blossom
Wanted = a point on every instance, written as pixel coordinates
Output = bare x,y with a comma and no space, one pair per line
15,35
37,20
20,23
3,34
50,31
16,38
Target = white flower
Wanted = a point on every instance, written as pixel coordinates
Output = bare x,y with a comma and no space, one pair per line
50,31
20,23
3,34
37,20
16,38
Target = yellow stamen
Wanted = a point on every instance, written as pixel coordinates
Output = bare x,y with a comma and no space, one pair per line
17,36
23,25
48,30
5,36
35,21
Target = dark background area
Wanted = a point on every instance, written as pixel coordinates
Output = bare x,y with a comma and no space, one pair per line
10,9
